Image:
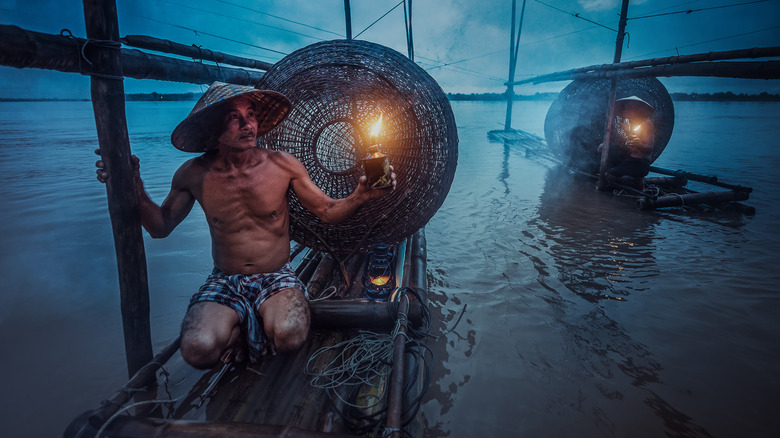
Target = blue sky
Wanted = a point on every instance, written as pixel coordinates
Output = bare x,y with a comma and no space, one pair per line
463,44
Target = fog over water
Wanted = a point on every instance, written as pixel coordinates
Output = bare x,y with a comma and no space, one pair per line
560,311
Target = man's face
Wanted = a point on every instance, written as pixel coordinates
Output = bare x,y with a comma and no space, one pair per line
239,124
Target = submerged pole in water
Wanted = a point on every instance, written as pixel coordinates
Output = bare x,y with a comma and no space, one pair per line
602,184
108,103
513,47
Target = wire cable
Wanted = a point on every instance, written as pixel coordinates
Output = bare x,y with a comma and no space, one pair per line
198,32
377,20
281,18
241,19
690,11
576,15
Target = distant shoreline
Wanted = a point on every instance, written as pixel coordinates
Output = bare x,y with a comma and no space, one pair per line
709,97
483,97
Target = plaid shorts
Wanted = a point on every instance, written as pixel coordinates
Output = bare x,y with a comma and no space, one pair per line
245,294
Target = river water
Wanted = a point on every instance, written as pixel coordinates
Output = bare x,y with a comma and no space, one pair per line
560,311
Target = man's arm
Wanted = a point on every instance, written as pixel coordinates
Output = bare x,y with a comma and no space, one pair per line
327,209
159,220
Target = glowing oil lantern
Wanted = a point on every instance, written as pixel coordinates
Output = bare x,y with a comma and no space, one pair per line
381,280
376,165
378,275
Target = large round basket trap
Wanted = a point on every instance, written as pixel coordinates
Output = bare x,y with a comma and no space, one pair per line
576,121
339,89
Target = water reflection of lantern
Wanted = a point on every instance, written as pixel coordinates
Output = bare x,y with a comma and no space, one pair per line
378,277
376,165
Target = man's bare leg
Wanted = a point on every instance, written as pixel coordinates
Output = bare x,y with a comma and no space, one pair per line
210,333
286,319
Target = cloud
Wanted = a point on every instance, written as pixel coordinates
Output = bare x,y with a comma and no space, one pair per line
599,5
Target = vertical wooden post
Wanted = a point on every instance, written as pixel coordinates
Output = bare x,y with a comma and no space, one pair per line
602,184
408,23
513,48
348,17
510,89
108,102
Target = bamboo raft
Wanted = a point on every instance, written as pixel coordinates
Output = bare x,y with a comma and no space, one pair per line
274,398
664,188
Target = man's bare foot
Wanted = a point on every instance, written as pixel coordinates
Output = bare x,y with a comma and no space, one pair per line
236,351
235,354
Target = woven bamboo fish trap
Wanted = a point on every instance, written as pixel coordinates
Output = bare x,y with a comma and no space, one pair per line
576,121
338,90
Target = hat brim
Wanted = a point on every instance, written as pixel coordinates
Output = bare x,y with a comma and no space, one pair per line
196,132
634,106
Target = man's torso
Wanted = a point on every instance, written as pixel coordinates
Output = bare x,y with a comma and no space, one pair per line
246,209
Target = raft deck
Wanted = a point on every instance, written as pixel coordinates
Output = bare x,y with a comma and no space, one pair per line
664,188
275,397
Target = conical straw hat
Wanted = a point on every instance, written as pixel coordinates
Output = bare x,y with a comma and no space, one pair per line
198,132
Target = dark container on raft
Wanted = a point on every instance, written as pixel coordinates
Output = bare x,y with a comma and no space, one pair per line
576,121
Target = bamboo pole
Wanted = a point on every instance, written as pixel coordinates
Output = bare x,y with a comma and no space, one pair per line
358,313
703,59
108,102
142,378
321,276
737,70
195,52
712,180
418,279
514,44
395,408
602,182
395,401
308,270
510,90
27,49
135,427
348,19
409,35
690,199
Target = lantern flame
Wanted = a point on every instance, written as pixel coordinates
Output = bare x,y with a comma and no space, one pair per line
377,126
381,280
636,128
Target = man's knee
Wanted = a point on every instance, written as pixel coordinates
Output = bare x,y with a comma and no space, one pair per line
286,320
206,333
289,335
201,350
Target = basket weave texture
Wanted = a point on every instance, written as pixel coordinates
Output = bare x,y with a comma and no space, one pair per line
575,123
338,90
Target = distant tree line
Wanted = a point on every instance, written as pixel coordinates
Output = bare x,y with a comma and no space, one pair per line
727,96
720,96
157,97
499,96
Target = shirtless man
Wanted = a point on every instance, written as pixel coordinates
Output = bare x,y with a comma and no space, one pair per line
252,300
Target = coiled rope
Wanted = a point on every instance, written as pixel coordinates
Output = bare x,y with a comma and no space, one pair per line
366,361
